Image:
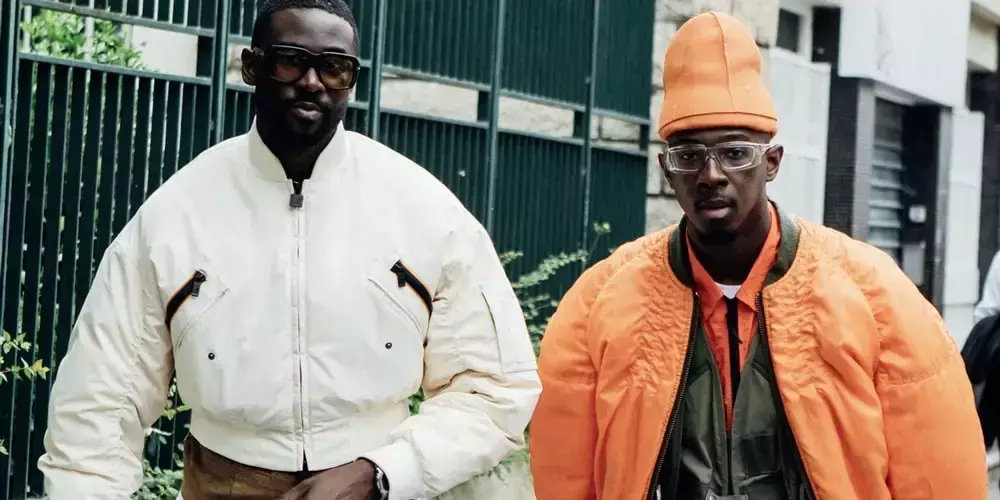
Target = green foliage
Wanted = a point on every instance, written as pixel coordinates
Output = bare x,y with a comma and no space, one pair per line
160,483
62,34
15,352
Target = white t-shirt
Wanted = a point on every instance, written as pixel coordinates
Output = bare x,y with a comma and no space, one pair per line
729,291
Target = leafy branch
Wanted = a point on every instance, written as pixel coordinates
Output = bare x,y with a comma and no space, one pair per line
62,34
17,368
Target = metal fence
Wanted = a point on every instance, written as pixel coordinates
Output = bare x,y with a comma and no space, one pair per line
84,144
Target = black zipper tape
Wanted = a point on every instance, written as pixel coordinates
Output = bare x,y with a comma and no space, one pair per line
191,288
405,277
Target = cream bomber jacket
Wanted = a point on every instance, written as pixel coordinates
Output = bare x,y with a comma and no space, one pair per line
299,320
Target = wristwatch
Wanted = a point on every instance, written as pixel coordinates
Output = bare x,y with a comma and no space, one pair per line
381,484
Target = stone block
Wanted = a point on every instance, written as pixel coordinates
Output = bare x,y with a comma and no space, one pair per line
539,118
611,129
661,212
662,32
429,98
761,17
655,103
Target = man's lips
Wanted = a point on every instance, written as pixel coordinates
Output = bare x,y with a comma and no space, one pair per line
305,105
307,110
712,204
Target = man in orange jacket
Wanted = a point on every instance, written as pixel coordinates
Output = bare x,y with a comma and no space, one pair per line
746,354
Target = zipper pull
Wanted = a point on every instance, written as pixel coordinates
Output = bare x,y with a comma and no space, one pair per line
199,278
400,273
296,200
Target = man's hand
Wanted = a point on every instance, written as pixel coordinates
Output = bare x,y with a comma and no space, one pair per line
353,481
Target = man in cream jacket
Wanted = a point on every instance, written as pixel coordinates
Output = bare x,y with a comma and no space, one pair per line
302,281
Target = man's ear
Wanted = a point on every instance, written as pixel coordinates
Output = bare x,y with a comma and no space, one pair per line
249,69
772,160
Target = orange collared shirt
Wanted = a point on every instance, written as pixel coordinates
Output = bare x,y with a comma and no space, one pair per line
713,307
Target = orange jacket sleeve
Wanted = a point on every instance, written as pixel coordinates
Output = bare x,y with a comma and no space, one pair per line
564,425
932,432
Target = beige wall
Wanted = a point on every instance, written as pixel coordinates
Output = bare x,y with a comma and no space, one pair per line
163,51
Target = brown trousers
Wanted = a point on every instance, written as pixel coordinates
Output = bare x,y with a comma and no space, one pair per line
210,476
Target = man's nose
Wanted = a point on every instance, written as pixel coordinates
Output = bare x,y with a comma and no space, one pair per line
712,174
310,81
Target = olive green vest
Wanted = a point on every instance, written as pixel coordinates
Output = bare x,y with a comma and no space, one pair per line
758,460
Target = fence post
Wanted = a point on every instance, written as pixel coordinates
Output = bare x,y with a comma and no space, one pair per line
220,55
8,64
493,132
374,118
588,119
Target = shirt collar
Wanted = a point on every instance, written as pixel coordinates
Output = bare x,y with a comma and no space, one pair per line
706,287
266,164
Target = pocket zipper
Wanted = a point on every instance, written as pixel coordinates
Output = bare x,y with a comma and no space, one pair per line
405,277
191,288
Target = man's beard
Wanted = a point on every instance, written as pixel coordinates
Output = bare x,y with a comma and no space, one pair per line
289,134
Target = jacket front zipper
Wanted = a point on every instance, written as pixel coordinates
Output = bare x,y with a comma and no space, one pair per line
764,342
678,401
296,202
191,288
405,277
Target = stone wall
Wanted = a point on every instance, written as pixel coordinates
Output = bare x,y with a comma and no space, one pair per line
761,16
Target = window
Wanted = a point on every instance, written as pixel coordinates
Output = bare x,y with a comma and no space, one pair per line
789,30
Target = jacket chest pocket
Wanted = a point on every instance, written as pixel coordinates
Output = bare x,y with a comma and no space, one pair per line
398,291
400,307
190,302
206,354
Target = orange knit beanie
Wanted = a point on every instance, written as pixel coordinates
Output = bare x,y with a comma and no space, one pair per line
711,79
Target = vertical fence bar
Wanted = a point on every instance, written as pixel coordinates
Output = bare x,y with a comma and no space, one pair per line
588,119
8,67
493,133
378,56
220,58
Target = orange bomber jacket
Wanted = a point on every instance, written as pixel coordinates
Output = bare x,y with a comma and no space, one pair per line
873,386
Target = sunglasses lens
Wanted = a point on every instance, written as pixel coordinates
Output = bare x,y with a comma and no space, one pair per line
735,156
686,158
288,66
336,72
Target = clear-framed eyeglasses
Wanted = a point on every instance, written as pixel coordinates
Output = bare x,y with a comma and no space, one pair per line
730,156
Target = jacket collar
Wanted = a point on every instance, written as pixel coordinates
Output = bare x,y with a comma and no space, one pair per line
267,166
787,247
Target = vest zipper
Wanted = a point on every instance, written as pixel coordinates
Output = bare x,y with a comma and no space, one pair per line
678,401
764,343
405,277
191,288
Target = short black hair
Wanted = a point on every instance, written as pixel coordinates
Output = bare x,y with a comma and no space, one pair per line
262,25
